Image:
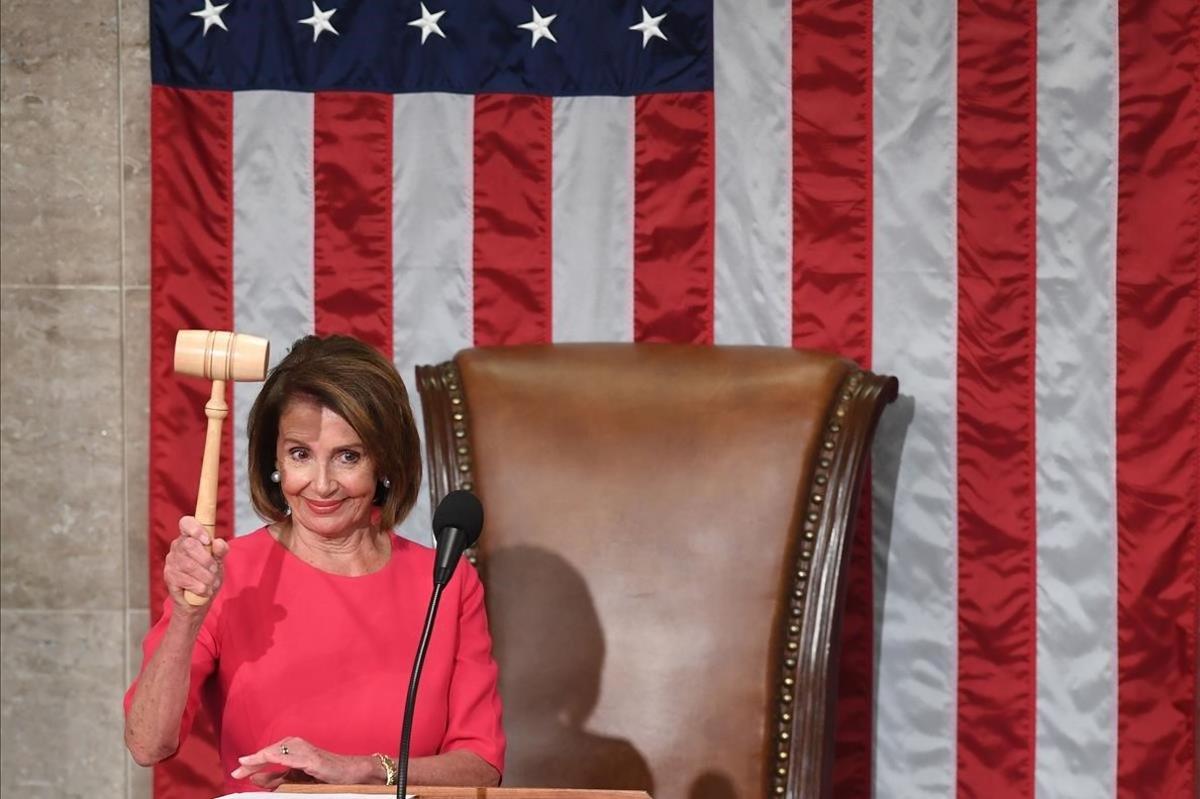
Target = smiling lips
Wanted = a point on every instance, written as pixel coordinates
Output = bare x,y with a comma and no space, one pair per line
323,507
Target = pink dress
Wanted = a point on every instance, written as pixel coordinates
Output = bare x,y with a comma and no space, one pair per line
288,649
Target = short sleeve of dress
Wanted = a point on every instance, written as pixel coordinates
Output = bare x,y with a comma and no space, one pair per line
474,714
204,662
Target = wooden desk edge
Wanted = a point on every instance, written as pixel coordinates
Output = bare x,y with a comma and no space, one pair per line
469,793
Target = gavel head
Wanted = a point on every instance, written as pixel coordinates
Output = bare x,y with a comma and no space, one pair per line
221,355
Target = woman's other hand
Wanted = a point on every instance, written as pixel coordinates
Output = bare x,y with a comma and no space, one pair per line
191,566
296,760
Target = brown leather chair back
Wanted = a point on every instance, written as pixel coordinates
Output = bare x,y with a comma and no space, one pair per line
665,548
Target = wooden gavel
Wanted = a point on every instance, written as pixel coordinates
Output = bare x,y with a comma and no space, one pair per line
217,355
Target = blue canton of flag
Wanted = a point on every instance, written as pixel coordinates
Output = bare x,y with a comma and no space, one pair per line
551,47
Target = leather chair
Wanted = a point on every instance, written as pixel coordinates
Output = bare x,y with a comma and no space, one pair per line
665,549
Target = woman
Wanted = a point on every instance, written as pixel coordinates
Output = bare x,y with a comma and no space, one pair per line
302,655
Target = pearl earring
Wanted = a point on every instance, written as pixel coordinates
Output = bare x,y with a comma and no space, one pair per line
275,476
387,482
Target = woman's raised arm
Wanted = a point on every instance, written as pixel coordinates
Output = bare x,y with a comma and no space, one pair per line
160,696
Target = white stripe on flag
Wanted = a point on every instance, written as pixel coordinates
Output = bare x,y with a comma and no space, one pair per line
752,43
272,243
592,213
914,336
1076,435
432,224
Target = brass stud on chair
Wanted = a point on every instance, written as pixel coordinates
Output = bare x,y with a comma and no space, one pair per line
460,455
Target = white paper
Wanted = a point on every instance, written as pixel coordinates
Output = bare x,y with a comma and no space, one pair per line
276,795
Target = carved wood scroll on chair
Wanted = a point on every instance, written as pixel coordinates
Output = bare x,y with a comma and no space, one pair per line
665,554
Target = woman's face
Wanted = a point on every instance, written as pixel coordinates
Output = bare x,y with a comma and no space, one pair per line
328,480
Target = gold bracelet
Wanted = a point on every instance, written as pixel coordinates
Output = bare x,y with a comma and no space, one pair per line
389,767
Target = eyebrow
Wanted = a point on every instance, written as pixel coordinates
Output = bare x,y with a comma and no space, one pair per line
301,442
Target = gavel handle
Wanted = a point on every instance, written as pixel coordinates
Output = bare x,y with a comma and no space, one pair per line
216,409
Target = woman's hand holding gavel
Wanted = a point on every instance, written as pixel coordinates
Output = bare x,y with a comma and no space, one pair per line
191,566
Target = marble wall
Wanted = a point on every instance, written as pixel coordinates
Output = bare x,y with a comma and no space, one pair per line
74,290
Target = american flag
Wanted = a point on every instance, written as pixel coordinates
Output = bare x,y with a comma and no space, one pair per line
999,202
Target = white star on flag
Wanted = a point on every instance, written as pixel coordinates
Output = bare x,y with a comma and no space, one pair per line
539,26
648,27
211,15
320,21
428,23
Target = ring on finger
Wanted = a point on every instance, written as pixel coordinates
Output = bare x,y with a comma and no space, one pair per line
283,749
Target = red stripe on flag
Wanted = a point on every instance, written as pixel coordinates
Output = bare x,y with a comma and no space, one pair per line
1158,397
997,141
512,219
831,178
673,218
831,295
191,254
352,235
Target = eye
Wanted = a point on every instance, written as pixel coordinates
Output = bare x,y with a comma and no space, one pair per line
349,456
298,453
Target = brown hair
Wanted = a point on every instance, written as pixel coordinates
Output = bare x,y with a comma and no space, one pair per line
361,386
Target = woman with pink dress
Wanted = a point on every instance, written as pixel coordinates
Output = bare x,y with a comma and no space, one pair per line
303,650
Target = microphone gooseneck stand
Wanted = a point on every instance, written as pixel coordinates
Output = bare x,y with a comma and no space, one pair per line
457,523
411,702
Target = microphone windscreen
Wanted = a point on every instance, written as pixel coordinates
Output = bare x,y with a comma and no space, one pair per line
460,509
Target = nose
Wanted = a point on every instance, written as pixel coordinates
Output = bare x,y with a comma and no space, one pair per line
325,482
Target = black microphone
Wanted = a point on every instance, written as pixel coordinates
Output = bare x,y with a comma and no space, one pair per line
457,523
